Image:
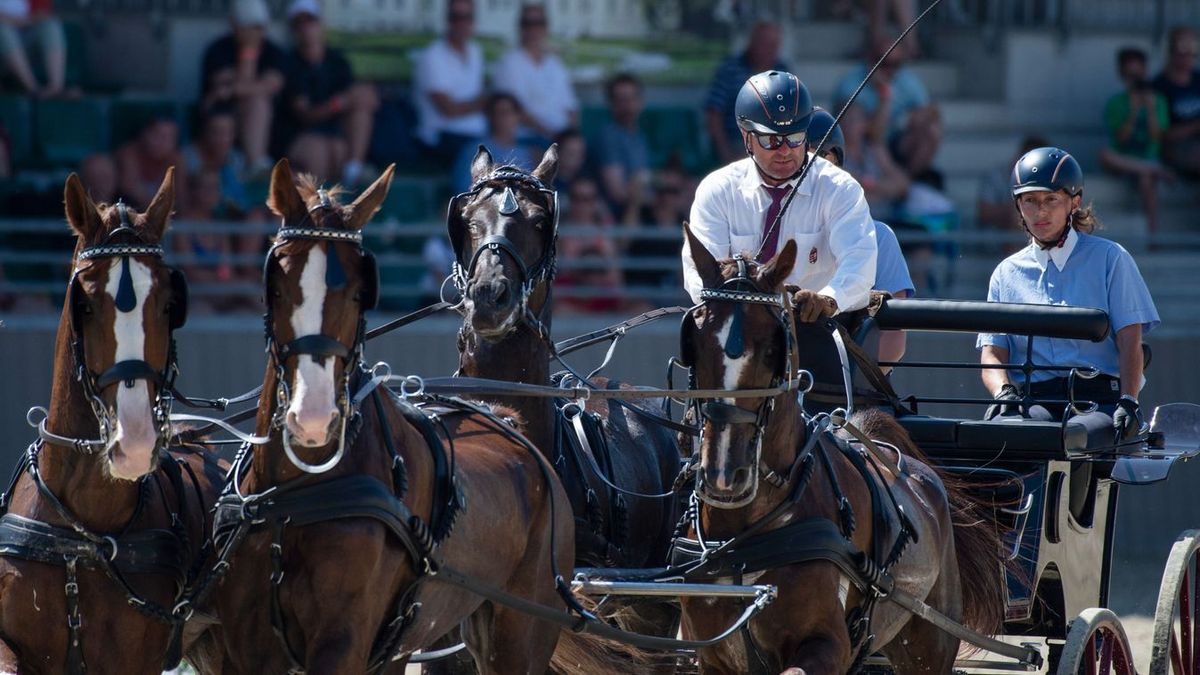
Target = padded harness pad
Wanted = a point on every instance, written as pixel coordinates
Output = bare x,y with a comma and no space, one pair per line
1016,439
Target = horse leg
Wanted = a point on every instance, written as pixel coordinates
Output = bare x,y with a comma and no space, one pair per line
505,641
819,654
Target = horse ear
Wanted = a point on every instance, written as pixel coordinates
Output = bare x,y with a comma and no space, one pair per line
481,165
706,264
158,214
370,200
283,198
547,169
82,214
777,269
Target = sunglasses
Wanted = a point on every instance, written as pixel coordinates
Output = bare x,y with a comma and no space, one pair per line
776,141
533,23
462,17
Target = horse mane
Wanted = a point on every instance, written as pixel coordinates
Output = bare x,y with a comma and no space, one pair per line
977,541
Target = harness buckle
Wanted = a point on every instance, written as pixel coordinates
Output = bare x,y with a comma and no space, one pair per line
71,588
74,621
183,611
112,543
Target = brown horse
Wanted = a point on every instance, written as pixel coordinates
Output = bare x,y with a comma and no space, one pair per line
346,510
102,529
755,457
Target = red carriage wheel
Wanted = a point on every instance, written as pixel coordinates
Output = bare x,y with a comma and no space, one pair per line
1096,645
1176,649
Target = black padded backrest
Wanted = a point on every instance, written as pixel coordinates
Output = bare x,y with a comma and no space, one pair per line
1055,321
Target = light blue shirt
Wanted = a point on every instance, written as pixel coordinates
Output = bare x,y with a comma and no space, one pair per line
908,94
1086,271
891,270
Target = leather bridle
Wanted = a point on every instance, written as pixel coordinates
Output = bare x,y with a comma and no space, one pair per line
124,243
318,345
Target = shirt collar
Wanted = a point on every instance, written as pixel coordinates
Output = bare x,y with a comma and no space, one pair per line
751,182
1059,254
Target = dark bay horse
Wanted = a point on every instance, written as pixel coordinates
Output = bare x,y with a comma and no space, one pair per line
102,529
761,466
357,496
503,233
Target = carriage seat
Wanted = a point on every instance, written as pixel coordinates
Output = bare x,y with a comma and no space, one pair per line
1012,439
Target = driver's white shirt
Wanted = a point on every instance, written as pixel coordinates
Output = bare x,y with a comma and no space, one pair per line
828,219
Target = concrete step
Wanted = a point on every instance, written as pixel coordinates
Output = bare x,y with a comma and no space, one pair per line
978,153
808,40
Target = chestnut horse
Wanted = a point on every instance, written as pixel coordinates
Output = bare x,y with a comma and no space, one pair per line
762,467
343,515
103,529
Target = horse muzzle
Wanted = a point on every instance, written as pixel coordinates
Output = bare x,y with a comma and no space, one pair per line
726,488
493,307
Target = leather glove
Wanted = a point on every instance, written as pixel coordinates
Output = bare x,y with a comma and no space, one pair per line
1011,397
810,306
1127,418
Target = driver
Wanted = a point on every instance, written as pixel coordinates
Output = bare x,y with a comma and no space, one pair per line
736,206
1064,264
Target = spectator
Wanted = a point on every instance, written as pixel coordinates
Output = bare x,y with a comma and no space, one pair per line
573,159
994,205
504,119
245,69
98,172
623,148
449,87
24,22
1179,82
664,215
761,53
141,162
206,254
1135,119
902,11
594,277
326,117
538,79
213,151
898,104
868,160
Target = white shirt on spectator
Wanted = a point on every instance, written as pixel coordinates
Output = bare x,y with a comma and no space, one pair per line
442,69
828,219
543,89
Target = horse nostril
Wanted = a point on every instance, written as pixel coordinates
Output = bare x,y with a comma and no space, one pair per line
334,417
502,295
741,476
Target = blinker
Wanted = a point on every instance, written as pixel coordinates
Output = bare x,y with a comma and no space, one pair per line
335,275
735,344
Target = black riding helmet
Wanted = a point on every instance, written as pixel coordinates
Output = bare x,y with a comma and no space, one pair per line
773,102
1047,170
821,124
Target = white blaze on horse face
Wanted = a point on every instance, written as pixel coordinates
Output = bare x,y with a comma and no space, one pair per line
313,407
732,377
132,443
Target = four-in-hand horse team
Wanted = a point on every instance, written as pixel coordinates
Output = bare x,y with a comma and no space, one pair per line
800,517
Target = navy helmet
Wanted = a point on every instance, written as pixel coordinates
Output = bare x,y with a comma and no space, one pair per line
823,122
773,102
1047,170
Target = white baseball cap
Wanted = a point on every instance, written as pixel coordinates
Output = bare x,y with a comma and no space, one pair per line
298,7
251,13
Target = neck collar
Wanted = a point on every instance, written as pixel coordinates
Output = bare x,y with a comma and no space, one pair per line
1059,253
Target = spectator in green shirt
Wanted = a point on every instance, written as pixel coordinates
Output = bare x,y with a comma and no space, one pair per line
1135,119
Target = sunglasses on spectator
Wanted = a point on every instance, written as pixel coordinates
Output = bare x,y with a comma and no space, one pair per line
462,16
533,22
776,141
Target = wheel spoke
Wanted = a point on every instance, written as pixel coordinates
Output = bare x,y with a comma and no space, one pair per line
1188,608
1106,651
1176,656
1185,619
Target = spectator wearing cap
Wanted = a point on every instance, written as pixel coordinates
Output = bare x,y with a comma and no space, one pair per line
449,87
245,69
326,118
1179,82
537,78
761,53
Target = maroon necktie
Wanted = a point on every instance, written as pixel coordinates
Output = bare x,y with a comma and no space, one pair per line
771,241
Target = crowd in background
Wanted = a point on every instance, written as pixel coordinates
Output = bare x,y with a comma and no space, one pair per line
260,101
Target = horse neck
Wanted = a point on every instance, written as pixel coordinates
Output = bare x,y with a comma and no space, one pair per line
79,480
521,356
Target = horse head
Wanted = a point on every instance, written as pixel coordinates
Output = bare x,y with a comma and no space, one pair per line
503,231
740,336
319,281
123,301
